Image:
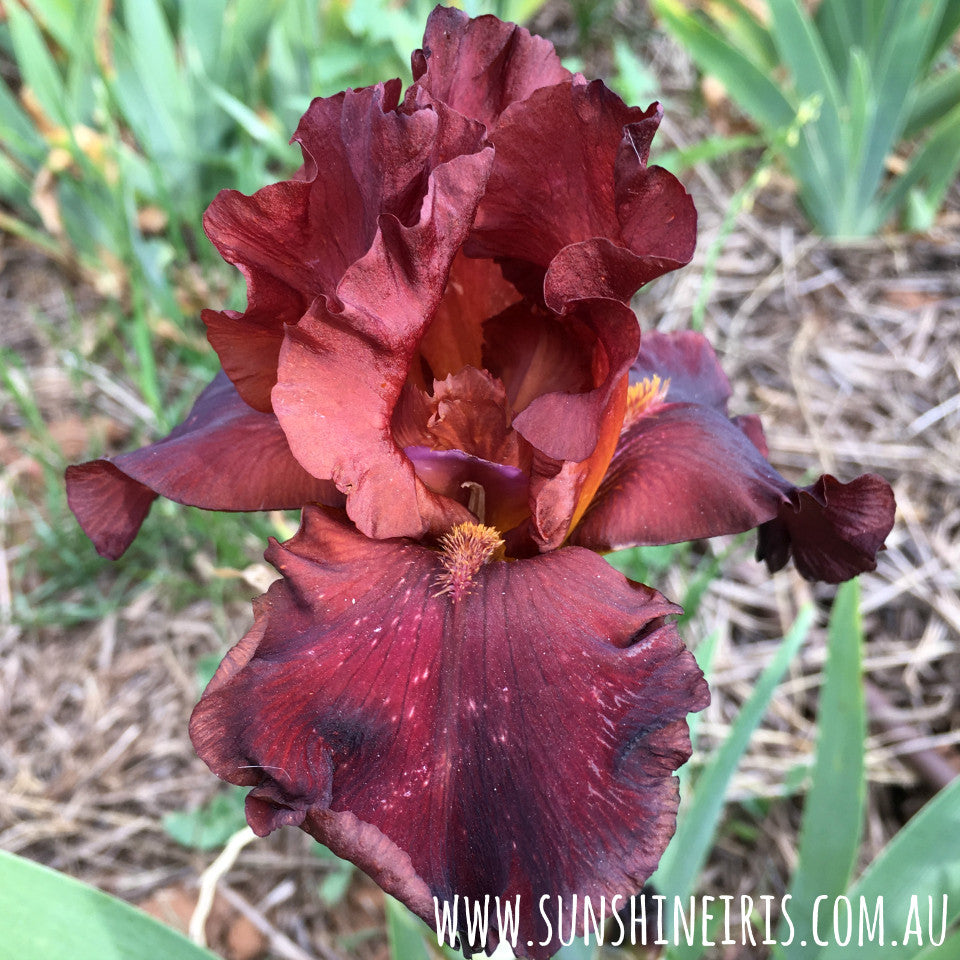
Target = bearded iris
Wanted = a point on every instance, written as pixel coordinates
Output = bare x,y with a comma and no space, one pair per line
438,363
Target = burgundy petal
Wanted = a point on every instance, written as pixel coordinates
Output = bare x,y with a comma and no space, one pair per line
681,472
566,425
684,471
571,191
342,368
490,744
833,530
687,360
476,290
479,67
294,241
224,456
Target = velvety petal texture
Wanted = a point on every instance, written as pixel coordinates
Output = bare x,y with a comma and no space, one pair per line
572,198
482,66
683,470
446,741
437,361
381,207
224,456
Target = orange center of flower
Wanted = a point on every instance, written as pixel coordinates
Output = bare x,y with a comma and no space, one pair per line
464,550
644,396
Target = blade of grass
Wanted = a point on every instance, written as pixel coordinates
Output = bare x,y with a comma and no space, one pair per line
921,861
833,811
687,851
50,916
20,137
36,66
707,151
405,932
202,26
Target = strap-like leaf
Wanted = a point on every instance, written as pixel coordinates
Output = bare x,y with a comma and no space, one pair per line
922,861
746,83
50,916
833,811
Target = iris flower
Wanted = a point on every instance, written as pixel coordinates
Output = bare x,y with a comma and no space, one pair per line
438,363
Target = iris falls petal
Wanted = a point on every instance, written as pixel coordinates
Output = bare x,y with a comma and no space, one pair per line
459,733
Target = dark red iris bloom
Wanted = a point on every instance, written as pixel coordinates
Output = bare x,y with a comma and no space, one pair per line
439,364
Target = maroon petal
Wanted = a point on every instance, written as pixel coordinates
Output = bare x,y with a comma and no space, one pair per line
567,425
248,343
571,191
479,67
294,241
684,471
681,472
833,530
476,743
224,456
476,291
687,360
342,368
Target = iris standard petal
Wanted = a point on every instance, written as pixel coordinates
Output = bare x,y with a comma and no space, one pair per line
343,367
297,240
481,66
571,195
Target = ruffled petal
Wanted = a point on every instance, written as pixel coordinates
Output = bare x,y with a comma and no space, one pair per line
833,530
224,456
295,241
479,67
684,471
571,194
486,745
342,368
566,425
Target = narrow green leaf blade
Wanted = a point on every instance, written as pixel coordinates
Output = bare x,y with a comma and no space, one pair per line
948,950
746,83
896,68
36,66
921,861
19,135
405,933
746,32
931,170
933,100
50,916
839,23
698,819
802,51
833,812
